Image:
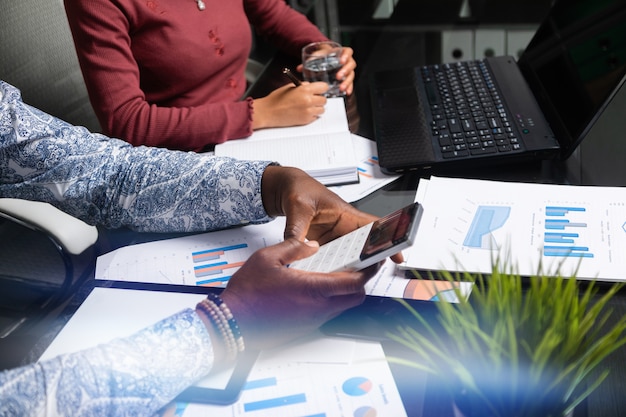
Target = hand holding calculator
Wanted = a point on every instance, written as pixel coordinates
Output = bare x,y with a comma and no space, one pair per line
366,245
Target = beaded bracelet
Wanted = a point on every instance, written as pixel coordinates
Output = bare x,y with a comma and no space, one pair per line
224,323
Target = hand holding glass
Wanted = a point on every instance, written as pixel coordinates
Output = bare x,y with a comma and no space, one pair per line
320,61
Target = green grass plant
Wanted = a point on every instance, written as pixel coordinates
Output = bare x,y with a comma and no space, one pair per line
518,347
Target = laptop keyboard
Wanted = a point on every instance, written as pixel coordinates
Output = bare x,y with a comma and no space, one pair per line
468,116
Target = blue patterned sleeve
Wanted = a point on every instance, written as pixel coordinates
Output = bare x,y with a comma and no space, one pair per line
108,182
134,376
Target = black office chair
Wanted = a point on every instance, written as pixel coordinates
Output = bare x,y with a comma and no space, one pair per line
43,252
41,265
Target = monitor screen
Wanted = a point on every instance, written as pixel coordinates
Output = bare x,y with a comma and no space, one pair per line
575,62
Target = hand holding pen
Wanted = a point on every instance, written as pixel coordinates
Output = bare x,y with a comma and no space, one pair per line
292,77
294,104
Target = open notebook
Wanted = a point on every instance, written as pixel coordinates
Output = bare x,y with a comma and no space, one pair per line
323,148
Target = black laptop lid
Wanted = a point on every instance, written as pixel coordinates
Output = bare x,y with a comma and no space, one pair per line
575,63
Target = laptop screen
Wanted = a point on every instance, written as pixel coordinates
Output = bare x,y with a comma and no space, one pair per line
574,63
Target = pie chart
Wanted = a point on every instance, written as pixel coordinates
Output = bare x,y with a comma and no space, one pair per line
357,386
365,412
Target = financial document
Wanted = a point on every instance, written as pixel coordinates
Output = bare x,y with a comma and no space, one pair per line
210,259
314,376
532,228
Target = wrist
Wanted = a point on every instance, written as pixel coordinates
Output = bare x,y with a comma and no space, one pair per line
222,328
259,119
270,190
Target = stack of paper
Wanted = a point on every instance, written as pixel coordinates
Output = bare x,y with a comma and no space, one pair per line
371,178
323,148
532,228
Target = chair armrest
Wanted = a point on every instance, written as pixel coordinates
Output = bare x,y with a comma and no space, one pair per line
72,234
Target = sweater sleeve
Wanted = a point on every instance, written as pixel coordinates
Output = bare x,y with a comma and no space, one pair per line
137,375
102,31
111,183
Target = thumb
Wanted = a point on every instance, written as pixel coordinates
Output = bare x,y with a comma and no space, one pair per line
297,225
293,249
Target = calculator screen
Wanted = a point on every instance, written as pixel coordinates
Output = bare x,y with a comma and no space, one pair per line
389,231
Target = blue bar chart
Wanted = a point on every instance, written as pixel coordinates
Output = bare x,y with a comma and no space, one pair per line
270,402
366,167
208,259
564,231
276,394
213,267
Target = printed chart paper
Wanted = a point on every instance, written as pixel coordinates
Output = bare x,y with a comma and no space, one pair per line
467,224
210,259
302,380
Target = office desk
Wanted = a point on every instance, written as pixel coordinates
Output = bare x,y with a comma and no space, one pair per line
607,401
380,49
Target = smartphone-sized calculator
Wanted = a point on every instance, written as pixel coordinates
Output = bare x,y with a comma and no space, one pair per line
366,245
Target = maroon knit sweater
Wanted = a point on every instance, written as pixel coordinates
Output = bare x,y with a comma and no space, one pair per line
164,73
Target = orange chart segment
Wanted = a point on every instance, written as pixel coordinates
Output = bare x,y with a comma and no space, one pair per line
215,266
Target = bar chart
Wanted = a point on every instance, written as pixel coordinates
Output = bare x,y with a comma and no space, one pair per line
367,167
564,231
469,225
214,266
272,402
206,259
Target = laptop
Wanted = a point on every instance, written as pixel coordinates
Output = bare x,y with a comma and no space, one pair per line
499,110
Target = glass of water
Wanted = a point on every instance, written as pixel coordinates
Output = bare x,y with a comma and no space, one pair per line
321,63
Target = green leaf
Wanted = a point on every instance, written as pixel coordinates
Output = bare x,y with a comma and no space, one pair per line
542,327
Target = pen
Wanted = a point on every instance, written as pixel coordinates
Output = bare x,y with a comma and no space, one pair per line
292,77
